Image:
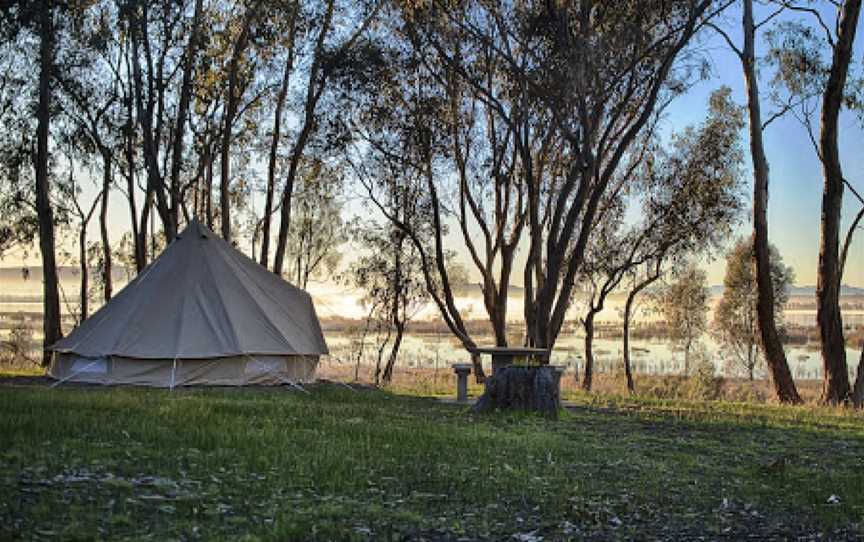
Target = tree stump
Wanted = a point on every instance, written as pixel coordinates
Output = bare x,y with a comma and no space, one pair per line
522,387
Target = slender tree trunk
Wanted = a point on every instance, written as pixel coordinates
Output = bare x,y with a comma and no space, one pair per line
144,226
208,192
858,391
150,139
85,274
394,352
139,248
835,379
687,346
314,90
103,227
380,357
51,326
274,147
183,112
231,105
628,314
588,324
784,385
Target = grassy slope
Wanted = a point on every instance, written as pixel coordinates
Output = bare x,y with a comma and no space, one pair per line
337,464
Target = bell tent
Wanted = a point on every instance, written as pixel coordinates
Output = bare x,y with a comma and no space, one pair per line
201,313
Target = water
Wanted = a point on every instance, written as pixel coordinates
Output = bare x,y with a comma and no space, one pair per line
651,356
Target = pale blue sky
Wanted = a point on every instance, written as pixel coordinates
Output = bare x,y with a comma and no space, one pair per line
795,189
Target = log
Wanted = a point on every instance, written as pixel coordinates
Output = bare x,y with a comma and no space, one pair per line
532,388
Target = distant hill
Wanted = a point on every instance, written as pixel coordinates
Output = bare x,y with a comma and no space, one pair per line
803,291
469,290
66,272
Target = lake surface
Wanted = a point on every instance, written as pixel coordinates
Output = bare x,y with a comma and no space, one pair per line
650,356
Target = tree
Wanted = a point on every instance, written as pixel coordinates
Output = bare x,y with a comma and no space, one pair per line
394,290
775,356
534,129
84,217
315,240
691,199
329,59
684,305
835,387
808,84
20,19
736,317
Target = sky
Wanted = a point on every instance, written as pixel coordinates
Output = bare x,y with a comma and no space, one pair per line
795,183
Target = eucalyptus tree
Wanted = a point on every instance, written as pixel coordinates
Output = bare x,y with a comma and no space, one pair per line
164,42
426,126
811,59
596,72
684,305
775,356
829,271
735,316
691,199
39,32
316,240
389,274
92,116
335,35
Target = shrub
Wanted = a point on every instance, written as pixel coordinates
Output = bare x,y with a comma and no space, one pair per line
17,348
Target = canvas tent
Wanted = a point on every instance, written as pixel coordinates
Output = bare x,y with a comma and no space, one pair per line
201,313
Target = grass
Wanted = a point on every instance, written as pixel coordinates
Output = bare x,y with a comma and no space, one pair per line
128,463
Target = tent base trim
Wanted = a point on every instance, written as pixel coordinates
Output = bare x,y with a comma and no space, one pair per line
169,373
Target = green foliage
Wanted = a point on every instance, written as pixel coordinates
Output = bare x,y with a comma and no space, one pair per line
735,317
684,305
318,230
704,384
18,346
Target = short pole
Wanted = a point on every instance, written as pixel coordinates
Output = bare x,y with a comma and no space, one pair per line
462,371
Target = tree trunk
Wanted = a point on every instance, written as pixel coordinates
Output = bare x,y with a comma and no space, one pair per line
314,89
380,357
274,146
858,391
85,274
182,112
687,346
139,248
208,193
521,388
144,234
588,324
230,113
107,283
835,378
150,137
50,294
394,352
628,314
784,385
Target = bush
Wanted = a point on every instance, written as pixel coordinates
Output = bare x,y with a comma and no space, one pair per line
746,392
17,348
704,384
